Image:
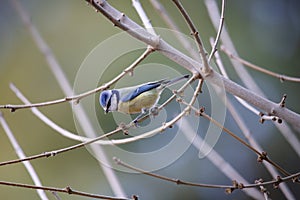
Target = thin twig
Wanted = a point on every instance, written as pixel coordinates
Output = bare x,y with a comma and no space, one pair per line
282,102
177,181
214,46
250,83
59,151
191,64
230,172
247,79
294,177
79,112
142,34
21,154
141,12
181,182
248,135
171,23
214,14
206,68
215,78
262,189
213,156
245,130
283,128
77,98
202,113
263,117
67,190
281,77
261,155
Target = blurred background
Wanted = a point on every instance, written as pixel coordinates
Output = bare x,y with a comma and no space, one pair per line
266,33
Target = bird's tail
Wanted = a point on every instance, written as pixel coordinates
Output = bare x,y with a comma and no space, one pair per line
168,83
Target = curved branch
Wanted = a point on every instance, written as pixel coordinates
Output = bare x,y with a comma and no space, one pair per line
204,185
78,97
126,24
190,64
87,141
206,67
67,190
20,153
281,77
214,46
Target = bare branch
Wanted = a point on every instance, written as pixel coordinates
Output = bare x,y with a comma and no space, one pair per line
214,14
170,22
281,77
272,110
66,87
263,117
248,135
59,151
141,34
21,155
141,12
177,181
284,129
282,102
214,46
77,98
67,190
192,65
261,155
245,130
262,189
213,156
206,68
181,182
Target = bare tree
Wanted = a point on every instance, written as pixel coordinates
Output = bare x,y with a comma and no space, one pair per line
236,145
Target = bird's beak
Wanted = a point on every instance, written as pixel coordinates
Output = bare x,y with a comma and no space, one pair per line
105,110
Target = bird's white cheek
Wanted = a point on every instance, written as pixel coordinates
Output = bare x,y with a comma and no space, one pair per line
114,103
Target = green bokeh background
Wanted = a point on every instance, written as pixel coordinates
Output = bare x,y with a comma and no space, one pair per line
264,32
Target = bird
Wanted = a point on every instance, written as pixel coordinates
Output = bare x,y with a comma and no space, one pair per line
135,99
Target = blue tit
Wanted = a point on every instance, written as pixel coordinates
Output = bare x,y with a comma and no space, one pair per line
135,99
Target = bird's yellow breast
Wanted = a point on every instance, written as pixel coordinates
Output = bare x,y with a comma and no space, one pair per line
145,100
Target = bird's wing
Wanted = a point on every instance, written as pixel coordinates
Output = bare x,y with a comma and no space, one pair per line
140,89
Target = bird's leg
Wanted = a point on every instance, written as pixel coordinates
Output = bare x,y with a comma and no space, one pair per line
154,110
144,110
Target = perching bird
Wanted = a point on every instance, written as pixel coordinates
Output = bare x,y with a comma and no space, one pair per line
135,99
